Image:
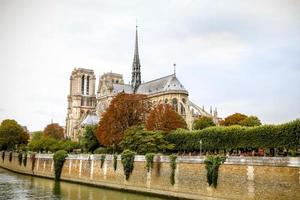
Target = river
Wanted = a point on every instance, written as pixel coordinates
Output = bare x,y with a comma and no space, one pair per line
23,187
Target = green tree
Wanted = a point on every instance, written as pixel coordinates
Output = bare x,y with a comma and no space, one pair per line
250,121
140,141
203,122
55,131
12,134
36,135
89,140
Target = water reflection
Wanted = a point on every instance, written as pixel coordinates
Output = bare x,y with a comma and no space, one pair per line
21,187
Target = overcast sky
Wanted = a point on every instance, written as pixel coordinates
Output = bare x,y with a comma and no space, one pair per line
238,56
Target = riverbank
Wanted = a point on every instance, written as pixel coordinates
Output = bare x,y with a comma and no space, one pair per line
239,177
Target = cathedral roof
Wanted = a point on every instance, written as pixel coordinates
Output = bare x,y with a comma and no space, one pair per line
167,83
91,119
117,88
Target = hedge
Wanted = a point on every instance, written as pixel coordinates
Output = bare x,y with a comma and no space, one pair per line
285,136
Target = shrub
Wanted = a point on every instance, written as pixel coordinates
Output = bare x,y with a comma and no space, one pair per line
173,168
25,159
20,157
3,155
115,161
10,156
232,137
127,158
59,159
212,166
102,160
33,159
149,158
101,150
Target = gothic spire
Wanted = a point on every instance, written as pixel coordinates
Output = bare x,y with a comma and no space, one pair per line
136,66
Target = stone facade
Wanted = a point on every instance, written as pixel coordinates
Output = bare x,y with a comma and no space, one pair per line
239,177
167,89
81,100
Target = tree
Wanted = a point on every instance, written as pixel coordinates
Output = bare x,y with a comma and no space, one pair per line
250,121
12,134
164,118
89,140
203,122
36,135
233,119
125,110
55,131
138,140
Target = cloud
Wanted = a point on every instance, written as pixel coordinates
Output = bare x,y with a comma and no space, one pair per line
240,56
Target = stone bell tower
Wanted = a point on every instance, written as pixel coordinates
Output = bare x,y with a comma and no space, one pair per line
81,100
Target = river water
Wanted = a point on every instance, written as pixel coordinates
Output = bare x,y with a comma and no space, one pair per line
23,187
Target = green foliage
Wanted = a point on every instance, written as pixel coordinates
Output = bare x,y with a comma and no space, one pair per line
50,144
10,156
250,121
59,159
203,122
12,134
89,140
3,155
149,158
101,150
20,157
172,158
127,158
212,166
285,136
36,135
33,159
138,140
102,160
115,161
25,159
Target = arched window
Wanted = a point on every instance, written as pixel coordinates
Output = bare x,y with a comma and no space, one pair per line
175,104
182,109
183,100
82,84
166,100
87,85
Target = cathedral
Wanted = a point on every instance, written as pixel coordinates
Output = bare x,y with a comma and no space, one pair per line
85,106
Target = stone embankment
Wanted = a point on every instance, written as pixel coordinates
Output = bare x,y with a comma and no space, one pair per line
239,177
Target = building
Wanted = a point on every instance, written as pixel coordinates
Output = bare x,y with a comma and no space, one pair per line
86,108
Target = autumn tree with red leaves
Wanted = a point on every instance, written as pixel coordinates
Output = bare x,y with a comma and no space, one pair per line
125,110
164,118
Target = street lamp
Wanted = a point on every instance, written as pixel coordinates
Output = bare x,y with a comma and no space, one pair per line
200,147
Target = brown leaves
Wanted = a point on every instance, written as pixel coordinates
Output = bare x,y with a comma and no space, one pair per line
164,118
55,131
125,110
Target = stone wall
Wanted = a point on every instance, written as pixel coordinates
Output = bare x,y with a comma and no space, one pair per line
239,177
